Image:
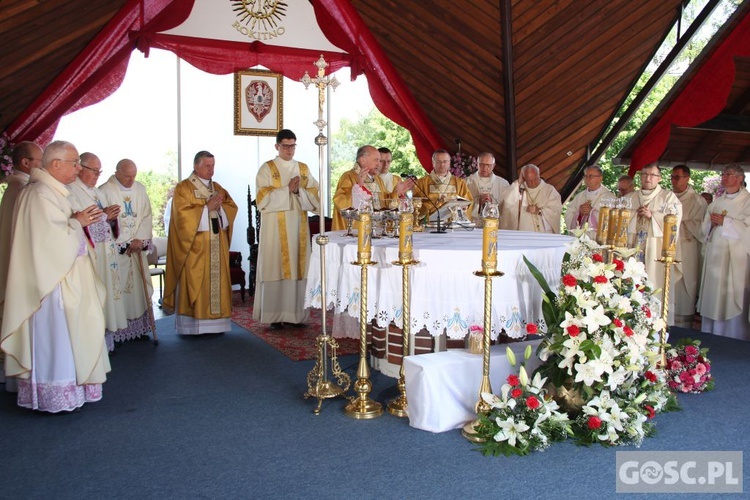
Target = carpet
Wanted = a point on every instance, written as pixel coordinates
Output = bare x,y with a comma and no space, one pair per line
296,344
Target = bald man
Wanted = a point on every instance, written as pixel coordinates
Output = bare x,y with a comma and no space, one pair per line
530,204
132,244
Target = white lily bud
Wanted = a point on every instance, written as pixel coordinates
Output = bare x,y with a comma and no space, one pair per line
511,356
523,376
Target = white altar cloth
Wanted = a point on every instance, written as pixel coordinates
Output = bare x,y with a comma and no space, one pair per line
442,388
445,296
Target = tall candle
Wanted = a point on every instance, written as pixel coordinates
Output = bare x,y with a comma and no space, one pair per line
364,241
405,228
603,226
669,239
489,244
621,238
614,220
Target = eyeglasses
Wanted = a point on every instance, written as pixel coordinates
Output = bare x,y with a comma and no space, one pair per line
649,175
727,174
675,177
592,176
74,162
287,146
486,164
441,162
96,172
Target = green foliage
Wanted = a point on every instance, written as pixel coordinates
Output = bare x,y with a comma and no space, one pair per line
376,130
157,187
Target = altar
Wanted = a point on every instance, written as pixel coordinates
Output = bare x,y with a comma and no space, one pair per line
446,297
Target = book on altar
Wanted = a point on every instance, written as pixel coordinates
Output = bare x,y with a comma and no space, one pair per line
461,207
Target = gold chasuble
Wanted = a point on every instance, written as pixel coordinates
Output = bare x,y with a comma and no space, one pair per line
342,198
441,190
197,282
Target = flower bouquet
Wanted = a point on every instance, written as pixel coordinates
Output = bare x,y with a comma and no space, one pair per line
463,165
523,418
602,343
688,367
6,157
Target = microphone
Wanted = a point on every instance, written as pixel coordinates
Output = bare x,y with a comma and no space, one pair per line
439,229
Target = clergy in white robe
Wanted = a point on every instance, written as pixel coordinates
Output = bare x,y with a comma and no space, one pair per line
649,205
390,180
53,326
26,156
724,297
198,285
83,194
133,243
689,242
530,204
440,186
287,191
583,209
485,186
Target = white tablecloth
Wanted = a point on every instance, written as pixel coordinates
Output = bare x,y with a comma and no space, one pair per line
445,296
442,388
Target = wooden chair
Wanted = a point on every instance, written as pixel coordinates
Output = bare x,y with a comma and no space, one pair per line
158,257
236,274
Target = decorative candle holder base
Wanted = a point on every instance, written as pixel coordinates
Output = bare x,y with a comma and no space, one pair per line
490,274
362,407
318,384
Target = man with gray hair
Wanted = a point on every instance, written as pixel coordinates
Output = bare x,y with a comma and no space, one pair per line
53,325
724,298
84,193
530,204
625,185
689,242
583,210
133,243
485,186
440,185
364,174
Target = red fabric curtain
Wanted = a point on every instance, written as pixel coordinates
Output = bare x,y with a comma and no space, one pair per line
98,70
702,99
343,26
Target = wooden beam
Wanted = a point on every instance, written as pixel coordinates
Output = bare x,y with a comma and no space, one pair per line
725,123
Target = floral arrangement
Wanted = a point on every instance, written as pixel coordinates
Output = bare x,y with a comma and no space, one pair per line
463,165
688,367
602,345
523,418
713,185
6,156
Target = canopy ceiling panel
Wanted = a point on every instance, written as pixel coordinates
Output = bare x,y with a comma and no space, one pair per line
572,63
704,121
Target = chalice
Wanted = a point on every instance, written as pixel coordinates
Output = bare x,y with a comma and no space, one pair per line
349,214
416,203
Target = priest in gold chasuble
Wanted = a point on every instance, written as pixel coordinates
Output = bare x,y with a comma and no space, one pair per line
198,286
440,185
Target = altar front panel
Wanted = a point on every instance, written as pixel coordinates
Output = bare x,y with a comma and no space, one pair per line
446,297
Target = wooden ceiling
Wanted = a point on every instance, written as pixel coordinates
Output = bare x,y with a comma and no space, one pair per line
572,61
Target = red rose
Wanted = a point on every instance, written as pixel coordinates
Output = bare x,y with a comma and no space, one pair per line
628,331
617,322
619,265
531,329
516,392
650,410
573,330
532,403
594,422
647,311
650,376
597,257
569,280
513,380
600,279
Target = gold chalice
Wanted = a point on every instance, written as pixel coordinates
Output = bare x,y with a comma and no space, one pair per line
417,204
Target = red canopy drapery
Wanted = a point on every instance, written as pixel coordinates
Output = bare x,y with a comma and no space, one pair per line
100,68
703,98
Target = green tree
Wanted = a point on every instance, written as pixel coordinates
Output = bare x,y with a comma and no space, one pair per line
157,187
376,130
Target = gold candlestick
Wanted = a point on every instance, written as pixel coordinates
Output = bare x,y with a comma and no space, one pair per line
668,252
399,405
621,238
361,406
489,253
603,226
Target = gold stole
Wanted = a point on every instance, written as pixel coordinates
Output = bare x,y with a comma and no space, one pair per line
304,230
204,192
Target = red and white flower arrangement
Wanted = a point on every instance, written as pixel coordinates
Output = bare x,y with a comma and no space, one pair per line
602,342
463,165
688,367
524,418
6,157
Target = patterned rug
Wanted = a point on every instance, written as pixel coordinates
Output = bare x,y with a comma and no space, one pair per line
295,343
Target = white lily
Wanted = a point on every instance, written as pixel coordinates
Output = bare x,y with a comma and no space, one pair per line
595,318
510,430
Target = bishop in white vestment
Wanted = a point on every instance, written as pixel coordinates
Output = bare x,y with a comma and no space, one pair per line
485,186
530,204
583,210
